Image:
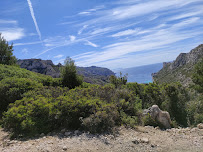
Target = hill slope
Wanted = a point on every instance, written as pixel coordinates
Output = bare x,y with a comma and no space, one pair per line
181,69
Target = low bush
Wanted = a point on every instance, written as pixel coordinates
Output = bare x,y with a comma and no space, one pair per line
12,89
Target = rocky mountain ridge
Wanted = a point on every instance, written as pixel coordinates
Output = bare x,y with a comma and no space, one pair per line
181,68
91,74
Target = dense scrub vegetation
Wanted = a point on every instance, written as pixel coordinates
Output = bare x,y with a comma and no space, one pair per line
32,103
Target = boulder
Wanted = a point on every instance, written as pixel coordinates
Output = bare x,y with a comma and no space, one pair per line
200,126
160,116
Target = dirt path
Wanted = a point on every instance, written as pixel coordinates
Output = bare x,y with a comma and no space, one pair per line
137,140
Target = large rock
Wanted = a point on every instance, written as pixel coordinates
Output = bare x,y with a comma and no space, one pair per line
200,126
160,116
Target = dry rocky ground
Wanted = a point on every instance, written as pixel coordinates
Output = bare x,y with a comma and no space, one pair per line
126,140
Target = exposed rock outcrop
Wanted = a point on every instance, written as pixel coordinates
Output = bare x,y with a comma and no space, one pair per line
91,74
40,66
181,69
160,116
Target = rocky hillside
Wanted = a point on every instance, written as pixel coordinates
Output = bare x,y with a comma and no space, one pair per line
181,69
93,74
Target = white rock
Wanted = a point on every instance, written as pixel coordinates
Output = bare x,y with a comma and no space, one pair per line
144,140
65,148
200,126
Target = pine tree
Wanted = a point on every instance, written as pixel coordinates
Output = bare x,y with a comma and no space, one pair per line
69,75
6,52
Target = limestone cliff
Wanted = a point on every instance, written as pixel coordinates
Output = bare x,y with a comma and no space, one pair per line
181,69
91,74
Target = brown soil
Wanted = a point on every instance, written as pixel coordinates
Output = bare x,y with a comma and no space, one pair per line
126,140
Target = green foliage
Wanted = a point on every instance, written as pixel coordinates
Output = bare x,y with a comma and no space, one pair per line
129,121
6,52
175,98
95,108
118,81
7,71
149,121
39,103
103,120
70,78
195,110
198,76
169,97
12,89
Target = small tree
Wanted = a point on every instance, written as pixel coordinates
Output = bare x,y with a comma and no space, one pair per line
118,81
6,52
197,77
69,75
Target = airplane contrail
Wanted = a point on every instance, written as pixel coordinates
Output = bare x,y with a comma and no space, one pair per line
34,19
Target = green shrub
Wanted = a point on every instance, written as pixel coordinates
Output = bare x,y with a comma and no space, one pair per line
175,98
12,89
103,120
195,111
147,120
47,92
197,76
30,116
129,121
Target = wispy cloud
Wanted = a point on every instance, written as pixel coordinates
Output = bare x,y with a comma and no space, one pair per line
82,29
8,21
185,15
28,43
90,43
90,11
34,19
126,32
156,39
132,29
59,56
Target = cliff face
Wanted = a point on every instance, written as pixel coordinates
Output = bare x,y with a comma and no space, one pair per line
40,66
181,69
91,74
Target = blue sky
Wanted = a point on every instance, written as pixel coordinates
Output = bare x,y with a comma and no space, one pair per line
107,33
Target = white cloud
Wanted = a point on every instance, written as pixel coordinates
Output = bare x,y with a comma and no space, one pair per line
90,11
34,19
59,56
90,43
8,22
101,30
72,38
185,15
126,32
12,33
82,29
29,43
157,39
54,41
84,13
24,51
